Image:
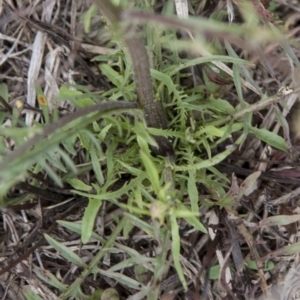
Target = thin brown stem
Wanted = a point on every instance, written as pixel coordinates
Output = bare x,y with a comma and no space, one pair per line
154,112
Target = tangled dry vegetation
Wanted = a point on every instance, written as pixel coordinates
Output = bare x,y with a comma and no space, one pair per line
107,194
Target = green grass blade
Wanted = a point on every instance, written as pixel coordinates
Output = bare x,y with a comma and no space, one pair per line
49,278
176,250
88,220
68,254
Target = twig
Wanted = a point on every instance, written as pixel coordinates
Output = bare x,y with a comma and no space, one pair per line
283,199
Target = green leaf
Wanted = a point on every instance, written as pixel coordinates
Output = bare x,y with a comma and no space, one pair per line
104,131
92,267
250,264
88,220
136,221
88,15
192,220
151,171
141,273
96,166
78,184
270,138
77,227
79,99
214,272
29,294
84,140
191,217
208,162
67,160
212,130
68,254
21,132
193,191
218,105
132,170
4,91
127,229
241,67
279,220
54,176
208,59
112,75
6,201
69,144
97,294
238,84
211,161
49,278
116,194
137,260
290,249
109,294
167,81
123,279
54,159
176,250
143,137
165,132
13,169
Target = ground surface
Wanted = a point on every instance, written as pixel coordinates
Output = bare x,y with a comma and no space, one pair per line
147,242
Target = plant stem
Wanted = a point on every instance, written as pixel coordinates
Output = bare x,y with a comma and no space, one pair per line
154,112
